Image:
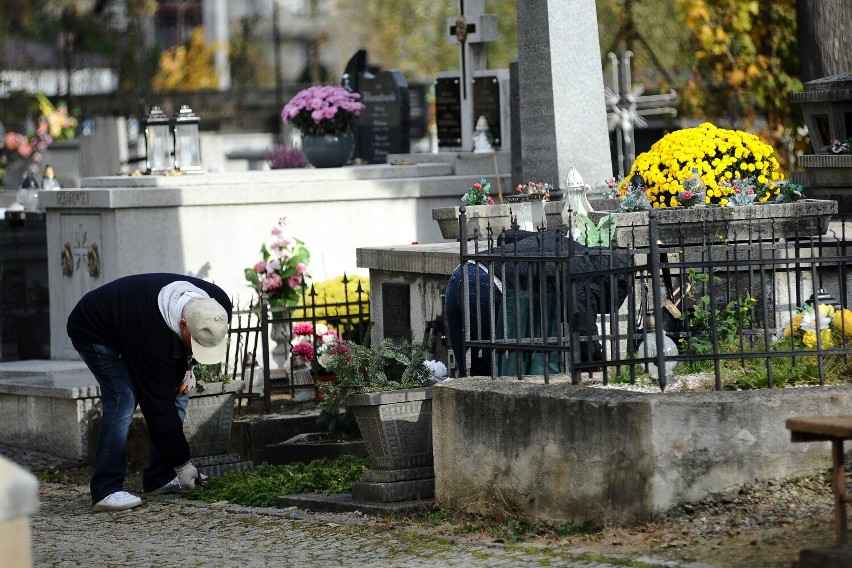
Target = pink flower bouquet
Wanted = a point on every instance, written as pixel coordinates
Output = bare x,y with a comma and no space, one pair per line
283,267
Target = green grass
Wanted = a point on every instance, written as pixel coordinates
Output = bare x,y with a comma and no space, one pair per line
261,487
752,373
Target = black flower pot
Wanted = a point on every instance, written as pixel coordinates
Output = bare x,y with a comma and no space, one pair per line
328,150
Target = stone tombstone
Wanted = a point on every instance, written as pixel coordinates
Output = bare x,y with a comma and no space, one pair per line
563,119
384,124
448,110
491,100
396,310
105,151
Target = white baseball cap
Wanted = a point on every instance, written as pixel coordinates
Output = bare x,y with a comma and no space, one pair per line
207,322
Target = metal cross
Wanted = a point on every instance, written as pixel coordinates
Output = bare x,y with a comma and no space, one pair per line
471,30
628,107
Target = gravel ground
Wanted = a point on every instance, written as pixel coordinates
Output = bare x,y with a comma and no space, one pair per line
172,530
761,524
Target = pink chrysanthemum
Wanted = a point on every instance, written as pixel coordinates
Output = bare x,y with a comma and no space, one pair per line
304,328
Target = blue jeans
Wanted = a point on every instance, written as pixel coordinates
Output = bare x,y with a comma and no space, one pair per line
480,360
118,402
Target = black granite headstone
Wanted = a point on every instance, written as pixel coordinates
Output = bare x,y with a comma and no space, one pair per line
486,102
384,125
448,112
396,311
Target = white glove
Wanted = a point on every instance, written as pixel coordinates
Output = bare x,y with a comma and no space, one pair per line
188,382
187,476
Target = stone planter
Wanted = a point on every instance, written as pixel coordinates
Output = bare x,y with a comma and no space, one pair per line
209,416
480,217
397,428
762,221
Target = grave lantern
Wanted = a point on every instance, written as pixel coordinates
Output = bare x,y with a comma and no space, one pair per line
187,141
158,155
575,194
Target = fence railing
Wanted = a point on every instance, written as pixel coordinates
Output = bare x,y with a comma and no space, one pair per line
731,295
255,328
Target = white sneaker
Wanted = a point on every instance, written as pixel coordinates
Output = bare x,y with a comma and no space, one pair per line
118,501
172,486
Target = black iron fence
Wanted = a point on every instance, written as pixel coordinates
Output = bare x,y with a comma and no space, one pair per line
746,301
254,330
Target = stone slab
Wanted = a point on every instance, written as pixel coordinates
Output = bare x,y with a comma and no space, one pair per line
35,367
73,386
256,177
438,258
251,436
205,461
392,492
221,469
344,503
826,557
217,466
296,450
394,475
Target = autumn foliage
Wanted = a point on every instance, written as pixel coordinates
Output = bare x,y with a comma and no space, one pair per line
187,67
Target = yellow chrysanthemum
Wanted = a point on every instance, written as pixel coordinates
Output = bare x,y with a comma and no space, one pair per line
718,153
826,339
794,325
842,321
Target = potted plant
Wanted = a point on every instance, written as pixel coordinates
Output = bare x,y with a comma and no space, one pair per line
388,389
314,344
325,115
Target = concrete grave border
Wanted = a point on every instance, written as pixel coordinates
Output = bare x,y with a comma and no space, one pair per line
561,452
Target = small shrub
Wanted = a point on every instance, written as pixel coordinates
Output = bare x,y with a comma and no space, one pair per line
207,374
282,157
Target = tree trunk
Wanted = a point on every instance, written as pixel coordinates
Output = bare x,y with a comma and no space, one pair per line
823,33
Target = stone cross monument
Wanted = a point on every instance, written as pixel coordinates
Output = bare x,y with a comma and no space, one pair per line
562,109
471,30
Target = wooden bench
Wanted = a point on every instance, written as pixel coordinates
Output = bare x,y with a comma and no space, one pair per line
834,429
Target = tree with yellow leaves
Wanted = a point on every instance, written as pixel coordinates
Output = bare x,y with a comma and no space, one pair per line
187,67
745,64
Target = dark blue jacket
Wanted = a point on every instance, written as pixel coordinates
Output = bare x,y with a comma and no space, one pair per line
124,315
